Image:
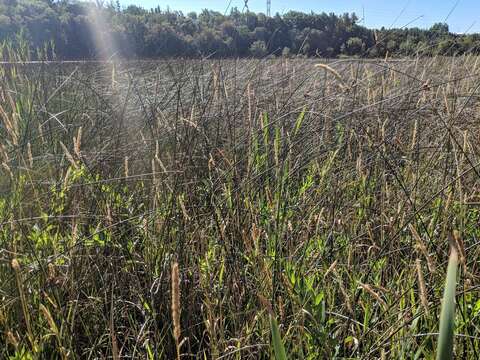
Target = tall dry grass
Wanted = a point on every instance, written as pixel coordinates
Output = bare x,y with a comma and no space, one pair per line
335,200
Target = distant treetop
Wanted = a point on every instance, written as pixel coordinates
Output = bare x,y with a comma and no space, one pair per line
135,32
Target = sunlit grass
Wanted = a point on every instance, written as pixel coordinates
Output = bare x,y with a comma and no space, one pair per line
333,196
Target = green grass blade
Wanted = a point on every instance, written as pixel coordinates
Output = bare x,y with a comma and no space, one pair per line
299,121
277,340
447,316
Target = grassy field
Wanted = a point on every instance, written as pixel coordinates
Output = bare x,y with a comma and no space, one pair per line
161,210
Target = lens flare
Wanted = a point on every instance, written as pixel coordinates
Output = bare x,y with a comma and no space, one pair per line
105,44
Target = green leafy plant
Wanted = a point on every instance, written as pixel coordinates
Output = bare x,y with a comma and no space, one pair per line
278,347
447,316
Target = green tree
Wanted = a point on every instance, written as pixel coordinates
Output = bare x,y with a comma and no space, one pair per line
258,49
355,46
139,32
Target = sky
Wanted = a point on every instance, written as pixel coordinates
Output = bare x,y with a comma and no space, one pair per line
462,15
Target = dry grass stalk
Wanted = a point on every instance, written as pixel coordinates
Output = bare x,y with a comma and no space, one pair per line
422,248
108,215
10,122
29,154
460,247
344,292
176,306
23,300
114,76
7,169
125,166
51,272
359,166
421,286
12,340
69,156
466,147
383,355
4,153
77,142
249,100
330,269
216,85
266,303
372,292
66,178
210,325
333,72
51,323
40,133
157,157
115,351
447,105
184,208
414,135
281,308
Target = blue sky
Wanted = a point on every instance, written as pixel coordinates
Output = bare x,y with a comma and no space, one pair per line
422,13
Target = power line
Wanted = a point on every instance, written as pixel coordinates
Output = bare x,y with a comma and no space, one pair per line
246,6
451,11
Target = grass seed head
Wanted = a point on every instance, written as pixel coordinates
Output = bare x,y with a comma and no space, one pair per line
176,308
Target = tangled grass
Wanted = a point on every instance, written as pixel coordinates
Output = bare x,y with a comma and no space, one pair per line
177,209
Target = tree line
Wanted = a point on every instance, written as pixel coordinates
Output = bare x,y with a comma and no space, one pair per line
135,32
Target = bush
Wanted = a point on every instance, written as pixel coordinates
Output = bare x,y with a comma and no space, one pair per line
258,49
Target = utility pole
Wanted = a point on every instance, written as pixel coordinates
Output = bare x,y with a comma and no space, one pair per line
269,8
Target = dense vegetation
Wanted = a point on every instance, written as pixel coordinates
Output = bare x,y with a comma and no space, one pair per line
187,207
140,33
